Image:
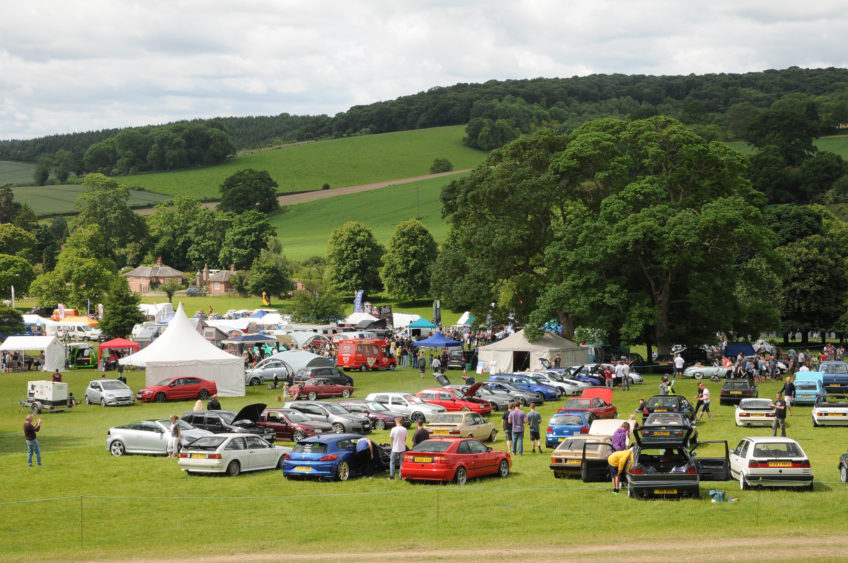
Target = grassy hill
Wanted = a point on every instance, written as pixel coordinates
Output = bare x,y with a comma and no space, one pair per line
339,162
58,199
16,172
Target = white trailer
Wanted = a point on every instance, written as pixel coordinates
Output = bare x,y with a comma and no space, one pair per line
51,396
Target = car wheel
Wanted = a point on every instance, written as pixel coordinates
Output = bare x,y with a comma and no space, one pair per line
416,416
522,401
699,375
391,367
460,477
630,493
254,381
742,483
312,395
843,473
280,462
466,409
363,367
338,428
117,448
203,395
503,468
87,400
345,393
815,424
380,425
342,471
811,486
234,468
102,402
160,397
298,436
493,436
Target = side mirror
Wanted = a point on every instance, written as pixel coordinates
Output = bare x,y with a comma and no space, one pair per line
488,448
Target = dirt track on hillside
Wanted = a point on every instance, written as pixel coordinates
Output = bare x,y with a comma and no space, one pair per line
303,197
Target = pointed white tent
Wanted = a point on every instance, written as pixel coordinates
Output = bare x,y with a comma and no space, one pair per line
182,351
516,353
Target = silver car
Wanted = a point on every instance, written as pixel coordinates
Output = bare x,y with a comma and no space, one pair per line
341,419
269,370
149,437
108,393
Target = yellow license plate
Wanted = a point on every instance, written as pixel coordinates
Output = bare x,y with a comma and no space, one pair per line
833,385
665,491
780,464
662,433
422,459
736,392
303,468
561,438
660,410
198,456
440,432
572,462
760,415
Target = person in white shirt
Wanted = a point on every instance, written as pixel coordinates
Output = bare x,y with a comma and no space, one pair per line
678,365
625,374
398,438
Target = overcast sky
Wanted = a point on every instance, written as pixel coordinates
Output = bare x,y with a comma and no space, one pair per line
69,65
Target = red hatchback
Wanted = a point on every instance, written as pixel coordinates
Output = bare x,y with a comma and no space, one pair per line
596,402
453,401
317,388
453,459
175,388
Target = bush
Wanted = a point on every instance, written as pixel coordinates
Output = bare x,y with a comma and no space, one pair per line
326,186
441,165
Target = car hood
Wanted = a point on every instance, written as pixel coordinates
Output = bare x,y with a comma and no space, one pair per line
599,392
471,391
251,413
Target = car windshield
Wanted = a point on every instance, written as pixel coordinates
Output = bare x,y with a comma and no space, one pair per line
413,399
834,368
207,443
663,418
660,403
456,394
295,416
566,420
736,385
434,446
447,419
309,448
777,449
113,386
578,404
227,416
806,387
336,409
376,407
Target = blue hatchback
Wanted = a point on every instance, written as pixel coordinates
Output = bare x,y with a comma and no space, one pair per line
565,424
527,384
329,456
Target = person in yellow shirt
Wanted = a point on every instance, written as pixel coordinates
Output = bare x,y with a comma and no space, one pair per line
619,463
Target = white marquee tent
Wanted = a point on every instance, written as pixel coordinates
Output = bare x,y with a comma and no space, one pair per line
54,351
297,359
516,353
182,351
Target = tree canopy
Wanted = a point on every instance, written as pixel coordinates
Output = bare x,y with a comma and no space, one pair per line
353,258
408,261
247,190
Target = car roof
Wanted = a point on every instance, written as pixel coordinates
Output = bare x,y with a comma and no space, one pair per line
761,439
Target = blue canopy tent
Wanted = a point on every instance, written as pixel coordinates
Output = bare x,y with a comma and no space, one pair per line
732,349
438,340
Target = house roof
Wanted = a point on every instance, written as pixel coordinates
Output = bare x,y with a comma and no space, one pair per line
221,276
154,272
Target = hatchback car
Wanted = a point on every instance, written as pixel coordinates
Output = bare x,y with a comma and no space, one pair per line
231,454
320,388
108,393
452,401
291,425
831,413
149,437
754,412
178,388
734,390
379,415
453,459
329,373
342,420
770,461
269,370
519,396
565,424
468,424
331,456
245,421
668,403
478,392
595,407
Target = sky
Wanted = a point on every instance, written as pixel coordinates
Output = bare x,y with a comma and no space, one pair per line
70,65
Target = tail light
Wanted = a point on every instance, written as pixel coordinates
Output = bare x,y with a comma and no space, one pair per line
637,472
454,432
803,464
554,460
288,457
584,429
755,464
213,456
691,471
440,460
183,455
645,411
331,457
549,430
743,415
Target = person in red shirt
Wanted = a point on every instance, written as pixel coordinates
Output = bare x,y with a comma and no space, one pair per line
57,376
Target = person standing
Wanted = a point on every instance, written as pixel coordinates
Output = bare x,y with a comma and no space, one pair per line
619,462
398,439
788,391
625,374
534,419
436,364
365,457
609,375
699,400
705,399
779,406
664,386
507,425
420,434
619,438
176,436
558,361
517,420
678,365
32,440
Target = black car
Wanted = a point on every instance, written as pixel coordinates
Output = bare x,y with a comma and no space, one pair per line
663,426
667,403
459,358
734,390
245,421
324,372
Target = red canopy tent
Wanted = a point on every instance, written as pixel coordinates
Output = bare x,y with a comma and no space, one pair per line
116,344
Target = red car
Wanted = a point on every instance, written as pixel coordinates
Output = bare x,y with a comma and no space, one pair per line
595,401
453,459
317,388
175,388
453,401
291,425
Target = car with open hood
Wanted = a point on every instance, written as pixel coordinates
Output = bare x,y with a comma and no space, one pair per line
519,396
379,415
830,413
149,437
342,420
597,402
108,393
178,388
522,382
668,403
291,425
478,392
754,412
245,421
457,424
453,401
771,461
734,390
667,467
231,454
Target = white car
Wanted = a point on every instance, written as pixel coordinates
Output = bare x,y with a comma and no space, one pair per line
754,412
407,403
564,387
830,414
108,392
231,454
149,437
770,461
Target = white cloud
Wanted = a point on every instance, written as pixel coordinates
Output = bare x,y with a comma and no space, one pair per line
77,65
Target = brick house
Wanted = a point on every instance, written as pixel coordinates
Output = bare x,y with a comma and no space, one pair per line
145,278
216,282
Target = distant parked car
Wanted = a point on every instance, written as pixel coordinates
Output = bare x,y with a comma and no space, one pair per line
148,437
453,401
341,419
245,421
291,425
108,393
328,373
734,390
231,454
269,370
830,414
195,292
468,424
176,388
754,412
379,415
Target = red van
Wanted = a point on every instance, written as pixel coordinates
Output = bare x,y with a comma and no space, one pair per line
364,354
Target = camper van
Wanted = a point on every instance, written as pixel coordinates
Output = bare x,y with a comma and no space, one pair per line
364,354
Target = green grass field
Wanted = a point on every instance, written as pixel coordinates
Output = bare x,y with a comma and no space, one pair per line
339,162
16,172
84,503
305,228
57,199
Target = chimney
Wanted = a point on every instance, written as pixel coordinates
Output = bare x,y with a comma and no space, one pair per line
232,266
159,261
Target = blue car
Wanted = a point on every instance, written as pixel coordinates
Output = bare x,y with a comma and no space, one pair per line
565,424
526,384
328,456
